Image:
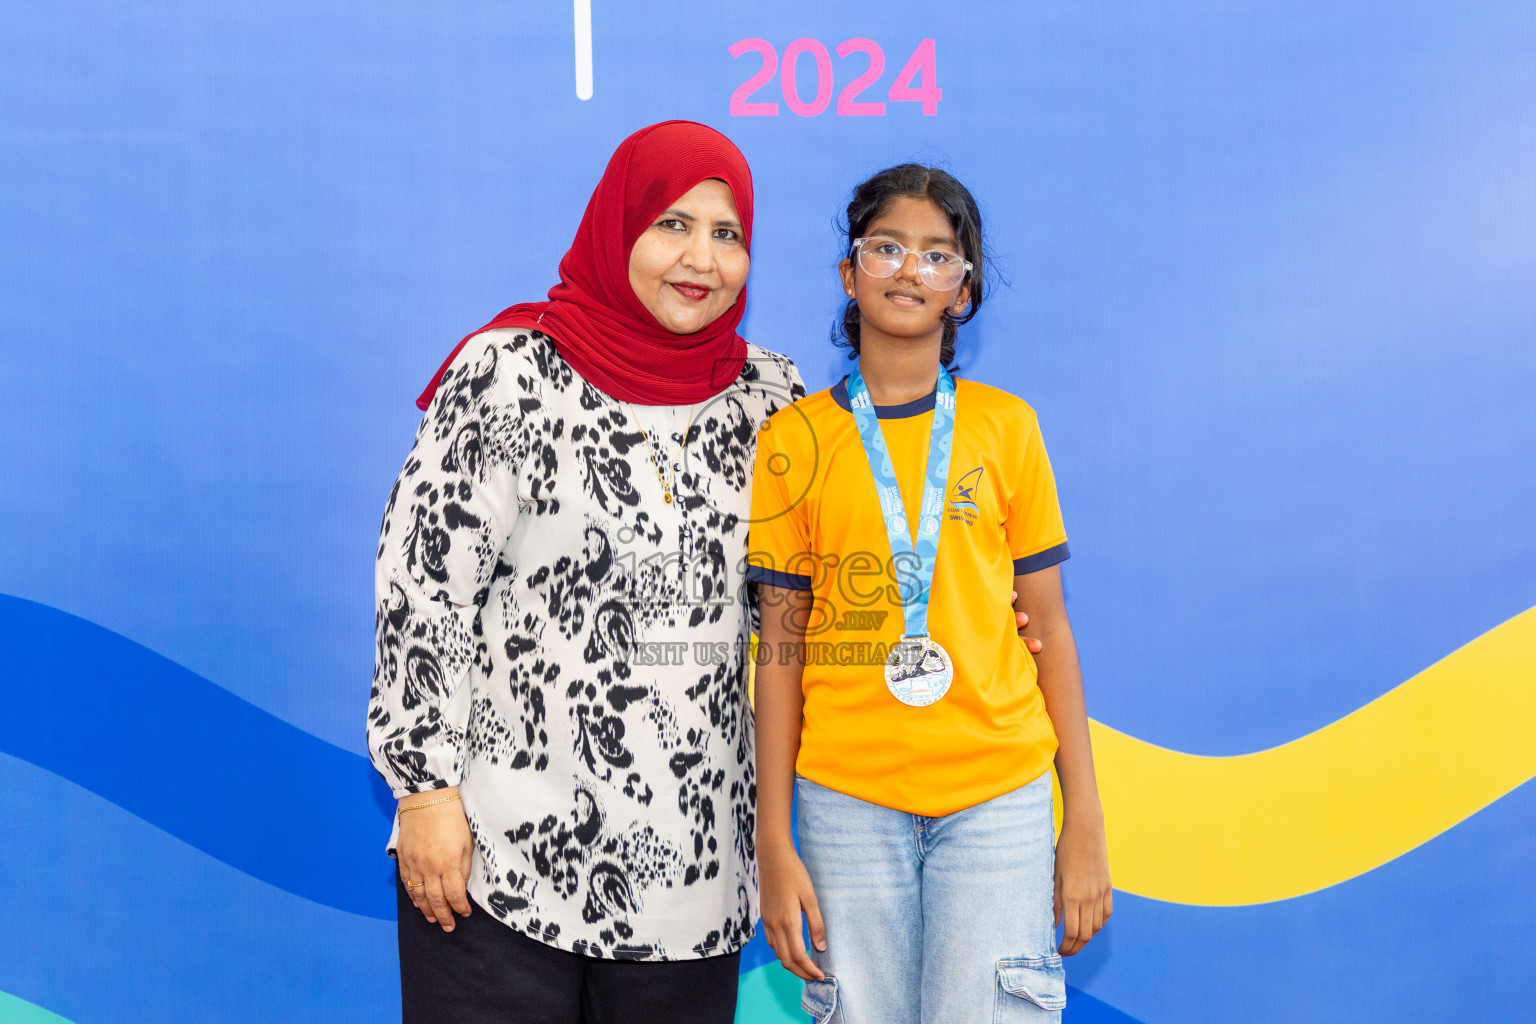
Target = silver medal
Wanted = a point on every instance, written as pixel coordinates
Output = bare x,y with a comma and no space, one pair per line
918,671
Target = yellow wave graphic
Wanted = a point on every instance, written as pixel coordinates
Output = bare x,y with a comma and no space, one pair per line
1226,831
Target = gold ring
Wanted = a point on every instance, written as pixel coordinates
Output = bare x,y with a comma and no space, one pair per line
413,885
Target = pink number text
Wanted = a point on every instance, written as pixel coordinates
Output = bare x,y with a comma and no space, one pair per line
916,82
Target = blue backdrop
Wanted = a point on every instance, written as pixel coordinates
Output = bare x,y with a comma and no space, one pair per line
1269,286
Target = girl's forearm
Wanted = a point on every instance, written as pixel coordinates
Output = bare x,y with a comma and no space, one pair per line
778,745
779,709
1061,684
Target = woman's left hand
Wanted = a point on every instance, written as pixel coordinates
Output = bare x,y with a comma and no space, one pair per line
1084,897
435,849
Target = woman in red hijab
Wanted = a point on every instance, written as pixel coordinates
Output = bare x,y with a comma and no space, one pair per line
559,698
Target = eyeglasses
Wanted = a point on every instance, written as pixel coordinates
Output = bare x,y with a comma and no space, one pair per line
939,269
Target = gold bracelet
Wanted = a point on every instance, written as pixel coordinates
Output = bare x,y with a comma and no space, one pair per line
430,803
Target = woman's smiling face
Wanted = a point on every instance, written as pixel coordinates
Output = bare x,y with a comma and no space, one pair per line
690,265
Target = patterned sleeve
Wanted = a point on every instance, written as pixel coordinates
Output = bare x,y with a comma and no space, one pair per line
449,516
792,376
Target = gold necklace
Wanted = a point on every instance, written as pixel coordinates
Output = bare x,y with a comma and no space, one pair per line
668,484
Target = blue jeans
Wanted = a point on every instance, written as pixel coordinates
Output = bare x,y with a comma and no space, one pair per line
933,920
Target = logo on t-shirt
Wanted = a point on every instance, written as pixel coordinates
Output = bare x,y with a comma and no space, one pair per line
962,504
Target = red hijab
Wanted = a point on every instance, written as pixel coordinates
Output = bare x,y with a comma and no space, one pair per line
597,322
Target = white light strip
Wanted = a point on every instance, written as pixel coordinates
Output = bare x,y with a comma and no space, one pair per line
583,49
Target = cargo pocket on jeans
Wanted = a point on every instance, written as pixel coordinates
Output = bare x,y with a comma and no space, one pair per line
1026,987
820,1001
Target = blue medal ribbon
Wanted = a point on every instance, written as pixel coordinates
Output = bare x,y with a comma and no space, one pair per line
924,550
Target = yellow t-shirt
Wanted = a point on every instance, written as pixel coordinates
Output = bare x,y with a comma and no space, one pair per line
816,525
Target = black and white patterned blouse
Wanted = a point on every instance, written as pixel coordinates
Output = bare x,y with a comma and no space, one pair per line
569,649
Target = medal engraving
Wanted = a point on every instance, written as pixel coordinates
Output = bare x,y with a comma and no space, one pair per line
918,672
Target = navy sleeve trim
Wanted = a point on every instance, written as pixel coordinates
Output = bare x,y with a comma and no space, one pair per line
775,578
1041,559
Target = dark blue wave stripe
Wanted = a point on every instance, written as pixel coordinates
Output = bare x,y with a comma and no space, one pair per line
142,928
193,759
1082,1008
217,772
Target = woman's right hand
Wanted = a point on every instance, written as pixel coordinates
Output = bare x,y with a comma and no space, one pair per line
435,848
786,893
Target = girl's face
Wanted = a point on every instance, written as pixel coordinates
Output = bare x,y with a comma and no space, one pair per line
902,305
689,266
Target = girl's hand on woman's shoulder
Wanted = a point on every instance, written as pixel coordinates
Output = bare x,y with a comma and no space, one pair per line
1084,897
786,893
434,850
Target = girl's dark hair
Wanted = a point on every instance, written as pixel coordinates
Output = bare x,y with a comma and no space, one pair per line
874,196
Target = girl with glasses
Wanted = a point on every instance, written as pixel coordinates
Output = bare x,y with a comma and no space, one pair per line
894,697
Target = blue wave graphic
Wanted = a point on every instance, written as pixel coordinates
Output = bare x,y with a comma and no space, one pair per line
1083,1008
180,753
193,759
218,773
129,925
